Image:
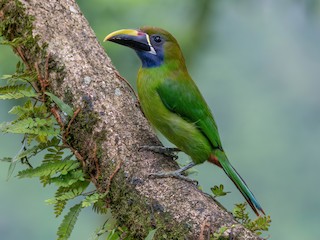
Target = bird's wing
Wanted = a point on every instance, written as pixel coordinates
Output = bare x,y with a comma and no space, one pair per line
184,98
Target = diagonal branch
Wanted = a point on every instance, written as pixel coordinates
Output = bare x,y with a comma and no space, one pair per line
110,127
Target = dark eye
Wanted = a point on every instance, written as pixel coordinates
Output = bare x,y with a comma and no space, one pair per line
157,39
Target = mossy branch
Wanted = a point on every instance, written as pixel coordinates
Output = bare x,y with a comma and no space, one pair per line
61,51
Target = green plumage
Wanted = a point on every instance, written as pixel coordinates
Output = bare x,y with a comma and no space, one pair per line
178,111
172,102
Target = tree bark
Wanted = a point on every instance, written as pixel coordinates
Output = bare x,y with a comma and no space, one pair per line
110,127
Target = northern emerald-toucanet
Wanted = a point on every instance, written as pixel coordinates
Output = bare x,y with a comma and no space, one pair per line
173,104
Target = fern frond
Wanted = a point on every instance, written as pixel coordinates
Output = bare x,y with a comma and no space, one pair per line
59,207
68,222
68,193
68,179
13,43
55,154
29,110
30,152
100,206
262,223
20,76
50,168
37,126
91,199
16,92
54,142
45,180
6,159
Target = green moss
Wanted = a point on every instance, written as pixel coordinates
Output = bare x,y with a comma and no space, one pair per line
84,123
68,97
81,128
139,215
16,29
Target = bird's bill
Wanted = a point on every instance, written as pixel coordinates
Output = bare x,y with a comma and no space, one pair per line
131,38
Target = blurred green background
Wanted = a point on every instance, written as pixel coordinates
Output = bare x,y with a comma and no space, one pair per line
257,64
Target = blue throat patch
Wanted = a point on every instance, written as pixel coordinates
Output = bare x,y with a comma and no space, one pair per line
150,60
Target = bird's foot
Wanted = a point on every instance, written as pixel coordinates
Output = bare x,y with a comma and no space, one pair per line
172,174
170,152
176,174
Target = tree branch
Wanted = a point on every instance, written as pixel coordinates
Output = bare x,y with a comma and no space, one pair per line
110,127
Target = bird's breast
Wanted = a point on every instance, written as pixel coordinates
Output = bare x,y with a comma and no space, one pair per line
185,135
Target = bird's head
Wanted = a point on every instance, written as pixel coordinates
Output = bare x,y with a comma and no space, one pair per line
154,46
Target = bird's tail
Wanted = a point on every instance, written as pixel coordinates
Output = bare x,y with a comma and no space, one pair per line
238,181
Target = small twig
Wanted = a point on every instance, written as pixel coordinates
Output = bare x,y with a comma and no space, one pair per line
203,228
21,55
137,103
71,121
89,193
44,83
94,176
152,217
112,175
77,154
96,160
56,115
46,76
26,161
129,85
19,51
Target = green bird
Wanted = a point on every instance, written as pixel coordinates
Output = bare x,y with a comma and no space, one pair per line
173,104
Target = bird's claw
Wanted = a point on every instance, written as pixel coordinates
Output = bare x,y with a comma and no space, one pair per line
174,174
169,152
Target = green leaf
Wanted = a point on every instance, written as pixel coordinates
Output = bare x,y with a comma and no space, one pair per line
100,206
37,126
113,235
151,234
6,159
68,179
63,106
30,152
261,223
14,161
49,169
20,76
67,193
239,213
59,207
11,169
5,77
218,191
68,222
218,235
62,196
91,199
16,92
29,110
13,43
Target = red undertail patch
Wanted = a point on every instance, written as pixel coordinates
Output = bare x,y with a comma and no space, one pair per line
213,159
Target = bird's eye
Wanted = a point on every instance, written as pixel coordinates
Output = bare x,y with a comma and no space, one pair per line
157,39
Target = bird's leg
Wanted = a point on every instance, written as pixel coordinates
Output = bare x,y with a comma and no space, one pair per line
170,152
176,174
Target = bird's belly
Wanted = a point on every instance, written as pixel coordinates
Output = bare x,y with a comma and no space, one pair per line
185,135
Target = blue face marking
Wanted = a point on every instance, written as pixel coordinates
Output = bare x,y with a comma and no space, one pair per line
150,60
